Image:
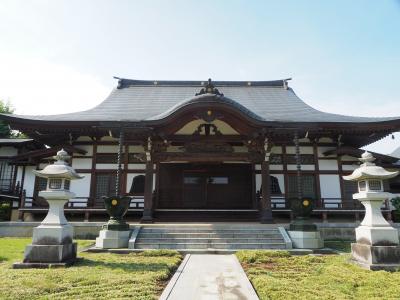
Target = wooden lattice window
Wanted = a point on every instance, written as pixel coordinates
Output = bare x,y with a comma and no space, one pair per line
276,159
7,172
349,188
41,184
307,184
275,188
105,186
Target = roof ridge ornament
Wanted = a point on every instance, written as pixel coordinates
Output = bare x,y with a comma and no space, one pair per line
209,89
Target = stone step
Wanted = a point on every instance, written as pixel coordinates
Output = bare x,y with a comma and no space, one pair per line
208,240
206,230
140,245
208,235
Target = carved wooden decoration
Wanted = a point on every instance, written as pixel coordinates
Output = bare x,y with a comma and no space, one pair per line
209,129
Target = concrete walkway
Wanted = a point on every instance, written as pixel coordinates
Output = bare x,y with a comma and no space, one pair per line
209,277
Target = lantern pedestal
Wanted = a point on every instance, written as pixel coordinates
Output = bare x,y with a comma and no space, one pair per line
52,241
377,246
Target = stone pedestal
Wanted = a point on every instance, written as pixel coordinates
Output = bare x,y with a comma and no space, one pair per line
113,239
52,241
376,257
377,243
306,239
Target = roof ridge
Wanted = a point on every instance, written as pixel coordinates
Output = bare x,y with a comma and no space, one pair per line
125,82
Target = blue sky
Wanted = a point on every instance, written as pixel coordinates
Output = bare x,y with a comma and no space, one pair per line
343,56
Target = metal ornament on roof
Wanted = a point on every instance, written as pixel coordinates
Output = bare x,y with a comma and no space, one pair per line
368,170
209,89
60,169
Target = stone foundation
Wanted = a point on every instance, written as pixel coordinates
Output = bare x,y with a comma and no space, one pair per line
113,239
376,257
306,239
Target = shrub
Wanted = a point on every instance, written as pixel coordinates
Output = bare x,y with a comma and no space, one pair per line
396,203
5,209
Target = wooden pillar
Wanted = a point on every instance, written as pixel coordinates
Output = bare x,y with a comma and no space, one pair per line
148,186
148,193
265,205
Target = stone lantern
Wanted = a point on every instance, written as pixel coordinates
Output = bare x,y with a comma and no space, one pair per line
52,242
377,242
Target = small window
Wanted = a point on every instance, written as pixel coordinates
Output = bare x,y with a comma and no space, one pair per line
275,189
375,185
137,186
218,180
55,183
362,185
67,184
276,159
191,180
41,184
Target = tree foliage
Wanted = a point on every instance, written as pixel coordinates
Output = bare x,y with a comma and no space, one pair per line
5,131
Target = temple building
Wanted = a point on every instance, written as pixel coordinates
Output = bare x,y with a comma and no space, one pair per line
201,150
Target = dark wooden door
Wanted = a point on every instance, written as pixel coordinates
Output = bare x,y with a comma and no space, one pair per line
223,186
194,190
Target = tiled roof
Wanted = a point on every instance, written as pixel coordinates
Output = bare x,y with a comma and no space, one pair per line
137,100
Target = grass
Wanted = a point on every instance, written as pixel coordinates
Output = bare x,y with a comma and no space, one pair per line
95,276
339,245
278,275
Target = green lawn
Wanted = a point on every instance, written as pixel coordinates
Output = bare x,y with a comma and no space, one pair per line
278,275
96,276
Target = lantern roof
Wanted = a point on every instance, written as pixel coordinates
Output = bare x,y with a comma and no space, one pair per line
60,169
369,170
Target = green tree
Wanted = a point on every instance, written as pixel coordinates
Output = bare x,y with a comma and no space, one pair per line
5,131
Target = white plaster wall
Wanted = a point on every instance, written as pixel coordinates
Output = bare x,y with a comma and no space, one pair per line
328,164
29,183
349,158
321,151
84,139
136,166
257,167
349,167
108,166
107,148
19,174
325,140
330,186
240,149
8,151
303,150
258,182
81,187
303,167
276,167
281,180
88,148
136,149
109,139
276,149
175,149
82,163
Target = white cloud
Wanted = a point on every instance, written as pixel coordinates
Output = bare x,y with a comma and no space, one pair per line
36,86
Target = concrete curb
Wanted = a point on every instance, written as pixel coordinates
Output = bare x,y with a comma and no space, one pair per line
171,284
